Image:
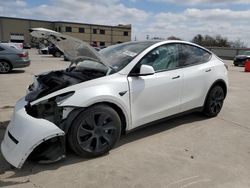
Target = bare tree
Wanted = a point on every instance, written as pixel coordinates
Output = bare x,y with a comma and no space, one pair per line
217,41
173,38
238,44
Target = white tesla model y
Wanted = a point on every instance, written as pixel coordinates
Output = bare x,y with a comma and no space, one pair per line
107,93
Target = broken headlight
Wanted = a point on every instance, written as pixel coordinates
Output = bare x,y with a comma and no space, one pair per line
49,109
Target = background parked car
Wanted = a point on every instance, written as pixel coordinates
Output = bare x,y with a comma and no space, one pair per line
26,45
239,60
55,51
11,58
14,45
42,49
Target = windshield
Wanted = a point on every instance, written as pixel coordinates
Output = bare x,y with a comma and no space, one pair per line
91,65
120,55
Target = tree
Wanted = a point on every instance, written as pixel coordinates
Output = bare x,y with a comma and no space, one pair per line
173,38
216,41
157,38
221,42
198,39
238,44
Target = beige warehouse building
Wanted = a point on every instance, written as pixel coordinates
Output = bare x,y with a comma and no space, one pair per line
17,30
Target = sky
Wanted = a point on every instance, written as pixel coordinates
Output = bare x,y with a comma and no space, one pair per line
156,18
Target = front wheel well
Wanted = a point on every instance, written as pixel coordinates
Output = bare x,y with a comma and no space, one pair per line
67,124
120,113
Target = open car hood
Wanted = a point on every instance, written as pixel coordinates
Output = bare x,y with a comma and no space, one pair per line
74,49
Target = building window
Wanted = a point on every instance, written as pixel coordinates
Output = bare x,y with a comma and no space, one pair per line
17,37
94,31
68,29
59,29
81,30
55,29
17,34
102,31
102,43
125,33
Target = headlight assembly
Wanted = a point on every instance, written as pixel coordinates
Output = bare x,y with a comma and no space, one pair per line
49,109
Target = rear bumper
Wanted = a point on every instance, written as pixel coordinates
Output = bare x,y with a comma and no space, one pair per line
21,64
24,133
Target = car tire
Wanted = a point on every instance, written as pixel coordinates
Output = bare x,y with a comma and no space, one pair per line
95,131
57,54
5,67
214,101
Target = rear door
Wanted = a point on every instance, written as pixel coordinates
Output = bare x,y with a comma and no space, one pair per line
197,73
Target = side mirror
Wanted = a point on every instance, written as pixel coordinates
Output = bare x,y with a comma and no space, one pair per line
146,70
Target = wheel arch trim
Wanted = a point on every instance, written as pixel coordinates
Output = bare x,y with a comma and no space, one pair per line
117,107
220,82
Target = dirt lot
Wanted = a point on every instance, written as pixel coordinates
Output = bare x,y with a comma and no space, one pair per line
190,151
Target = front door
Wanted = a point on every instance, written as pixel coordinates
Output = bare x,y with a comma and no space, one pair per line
156,96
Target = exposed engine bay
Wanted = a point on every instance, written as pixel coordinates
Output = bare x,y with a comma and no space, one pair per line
53,81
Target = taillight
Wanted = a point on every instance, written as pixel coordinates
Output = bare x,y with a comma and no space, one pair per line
23,55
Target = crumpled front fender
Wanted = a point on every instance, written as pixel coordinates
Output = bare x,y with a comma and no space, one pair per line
24,133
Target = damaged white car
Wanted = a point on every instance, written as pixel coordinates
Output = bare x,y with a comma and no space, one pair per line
107,93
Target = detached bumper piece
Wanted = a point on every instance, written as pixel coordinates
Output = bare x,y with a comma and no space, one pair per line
26,134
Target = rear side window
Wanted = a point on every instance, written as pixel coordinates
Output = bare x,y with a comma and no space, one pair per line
1,49
190,55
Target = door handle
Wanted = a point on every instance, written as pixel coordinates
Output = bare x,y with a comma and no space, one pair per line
208,70
176,77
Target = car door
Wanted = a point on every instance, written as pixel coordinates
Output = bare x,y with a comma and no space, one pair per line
197,75
156,96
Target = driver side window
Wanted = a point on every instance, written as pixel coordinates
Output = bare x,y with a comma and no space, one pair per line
162,58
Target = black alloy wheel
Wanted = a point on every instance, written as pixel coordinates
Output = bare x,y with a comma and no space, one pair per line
95,131
214,101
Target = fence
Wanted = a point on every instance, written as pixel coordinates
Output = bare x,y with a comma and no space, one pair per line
227,53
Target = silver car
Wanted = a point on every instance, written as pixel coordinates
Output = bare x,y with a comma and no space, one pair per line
11,58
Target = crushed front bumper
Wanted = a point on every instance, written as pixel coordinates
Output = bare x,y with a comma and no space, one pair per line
24,133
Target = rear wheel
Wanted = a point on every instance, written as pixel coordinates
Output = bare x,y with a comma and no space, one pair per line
57,54
5,67
95,131
214,101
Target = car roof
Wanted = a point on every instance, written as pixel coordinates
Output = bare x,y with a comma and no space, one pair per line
162,42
